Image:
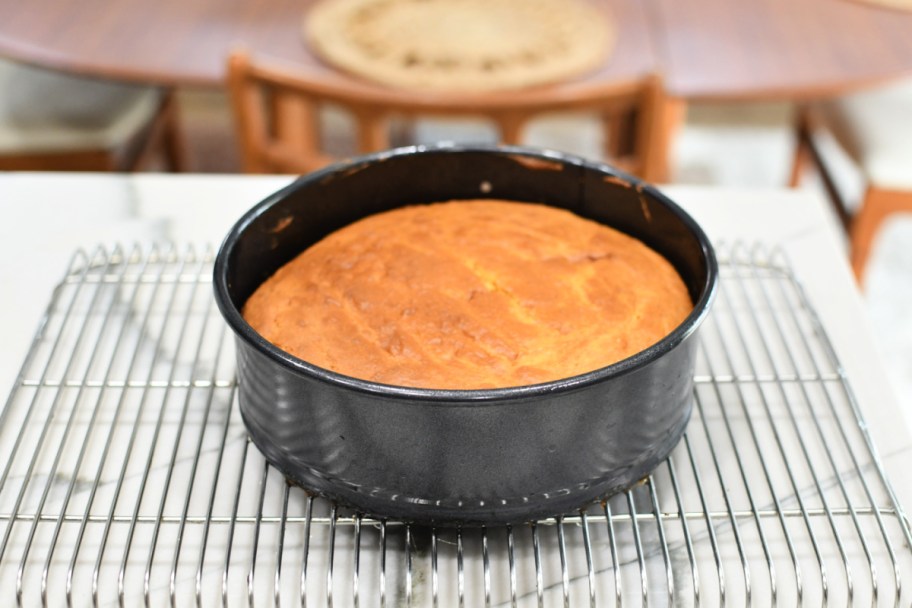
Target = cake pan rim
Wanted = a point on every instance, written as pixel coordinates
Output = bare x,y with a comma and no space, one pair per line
433,396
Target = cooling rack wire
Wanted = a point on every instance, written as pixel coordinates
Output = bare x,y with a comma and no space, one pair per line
126,477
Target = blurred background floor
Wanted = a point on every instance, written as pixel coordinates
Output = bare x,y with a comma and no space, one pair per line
743,145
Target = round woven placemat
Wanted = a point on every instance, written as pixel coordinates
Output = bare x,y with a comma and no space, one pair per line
467,45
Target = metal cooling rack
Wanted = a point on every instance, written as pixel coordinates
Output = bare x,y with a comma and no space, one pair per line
127,477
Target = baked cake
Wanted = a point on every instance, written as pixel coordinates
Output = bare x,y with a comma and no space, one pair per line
470,295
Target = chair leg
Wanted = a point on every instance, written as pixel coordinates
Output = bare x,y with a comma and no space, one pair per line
618,130
373,131
672,117
172,137
877,206
660,123
799,161
161,137
511,126
802,147
808,152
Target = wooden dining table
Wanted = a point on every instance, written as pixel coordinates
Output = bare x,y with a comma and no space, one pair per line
704,49
778,49
718,50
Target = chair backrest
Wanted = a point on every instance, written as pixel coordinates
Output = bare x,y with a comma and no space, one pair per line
277,108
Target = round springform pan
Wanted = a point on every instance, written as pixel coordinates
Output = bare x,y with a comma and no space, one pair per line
462,456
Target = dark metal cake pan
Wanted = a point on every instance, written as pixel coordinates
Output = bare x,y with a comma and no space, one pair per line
462,456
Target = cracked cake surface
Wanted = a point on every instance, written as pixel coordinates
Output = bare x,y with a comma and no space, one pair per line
470,295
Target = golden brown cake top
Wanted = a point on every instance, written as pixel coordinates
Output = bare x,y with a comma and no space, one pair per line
469,295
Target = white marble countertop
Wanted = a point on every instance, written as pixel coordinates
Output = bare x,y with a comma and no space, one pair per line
47,216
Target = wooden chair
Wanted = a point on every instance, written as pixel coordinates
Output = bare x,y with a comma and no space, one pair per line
875,129
277,108
51,121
